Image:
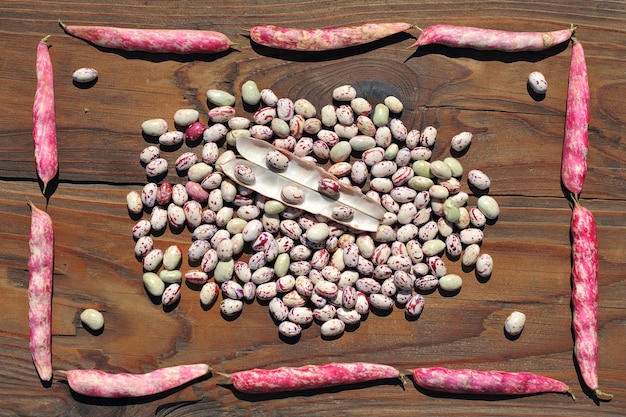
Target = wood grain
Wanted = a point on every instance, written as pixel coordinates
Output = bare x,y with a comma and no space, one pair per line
517,142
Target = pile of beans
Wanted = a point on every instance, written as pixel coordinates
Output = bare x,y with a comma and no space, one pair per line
305,267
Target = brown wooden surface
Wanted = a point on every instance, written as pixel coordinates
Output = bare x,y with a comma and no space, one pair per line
517,142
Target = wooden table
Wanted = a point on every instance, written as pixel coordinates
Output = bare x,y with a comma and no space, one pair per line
517,141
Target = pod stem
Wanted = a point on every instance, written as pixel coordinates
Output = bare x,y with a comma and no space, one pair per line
603,396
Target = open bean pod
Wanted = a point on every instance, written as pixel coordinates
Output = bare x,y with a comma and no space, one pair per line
307,175
271,185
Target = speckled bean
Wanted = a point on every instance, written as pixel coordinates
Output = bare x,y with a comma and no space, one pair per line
171,294
461,141
471,235
156,167
484,265
148,154
381,301
537,82
514,323
415,305
209,293
230,307
172,138
470,254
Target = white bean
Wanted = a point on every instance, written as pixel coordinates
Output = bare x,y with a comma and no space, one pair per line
514,323
92,318
332,328
537,82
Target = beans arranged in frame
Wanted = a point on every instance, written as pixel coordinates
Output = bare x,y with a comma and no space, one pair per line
307,266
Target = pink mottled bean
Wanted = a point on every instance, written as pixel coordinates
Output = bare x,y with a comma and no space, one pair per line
40,267
469,381
296,39
576,141
263,381
176,41
44,119
95,383
490,39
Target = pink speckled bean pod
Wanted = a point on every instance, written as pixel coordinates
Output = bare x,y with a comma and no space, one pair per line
297,39
44,118
95,383
470,381
175,41
576,141
40,267
585,270
490,39
263,381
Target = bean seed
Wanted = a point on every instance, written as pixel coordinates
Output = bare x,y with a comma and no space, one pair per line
148,154
304,107
398,129
471,236
156,167
266,290
381,302
361,143
230,307
153,284
514,323
289,329
426,283
232,289
221,114
325,313
196,277
179,194
209,293
461,141
451,211
171,294
154,127
478,179
384,138
470,254
250,93
433,247
537,82
269,97
85,75
300,315
152,260
220,97
450,282
454,245
381,115
292,194
361,106
488,206
437,266
143,245
415,305
484,265
223,270
394,104
348,316
172,138
367,285
332,328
